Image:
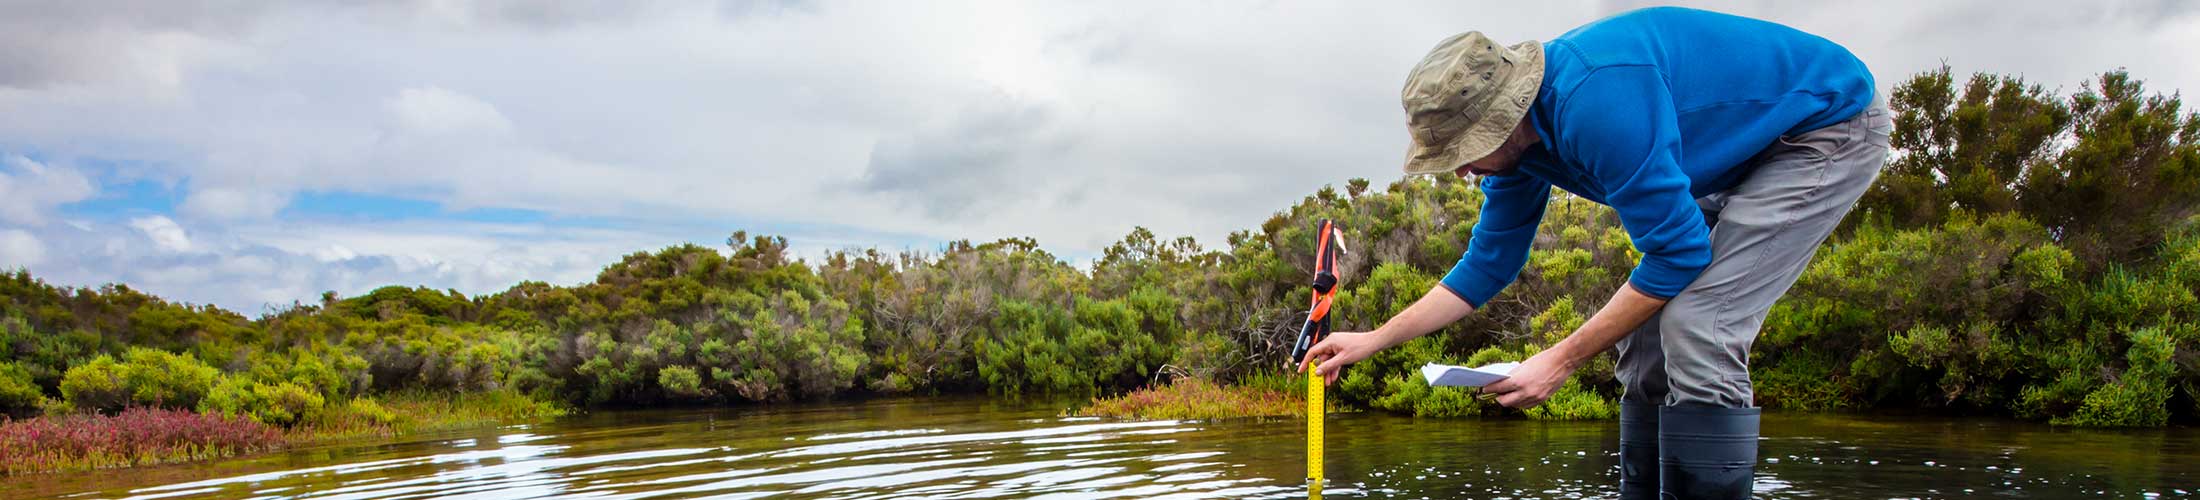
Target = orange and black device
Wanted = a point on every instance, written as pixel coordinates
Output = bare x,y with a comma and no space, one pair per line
1327,244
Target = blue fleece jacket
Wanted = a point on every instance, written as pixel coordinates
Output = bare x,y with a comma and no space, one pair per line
1647,111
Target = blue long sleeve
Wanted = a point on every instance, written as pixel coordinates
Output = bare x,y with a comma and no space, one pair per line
1512,209
1627,135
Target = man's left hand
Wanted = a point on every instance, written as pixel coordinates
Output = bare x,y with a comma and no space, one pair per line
1533,381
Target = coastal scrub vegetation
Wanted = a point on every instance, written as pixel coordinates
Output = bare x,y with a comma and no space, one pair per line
2025,253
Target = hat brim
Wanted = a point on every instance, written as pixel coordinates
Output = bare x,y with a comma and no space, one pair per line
1491,130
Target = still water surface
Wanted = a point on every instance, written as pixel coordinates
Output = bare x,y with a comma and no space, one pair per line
970,448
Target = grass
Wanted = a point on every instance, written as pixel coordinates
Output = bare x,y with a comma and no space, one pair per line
136,436
417,411
1199,399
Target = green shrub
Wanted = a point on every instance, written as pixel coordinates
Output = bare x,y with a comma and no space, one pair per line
1803,381
160,378
96,386
19,396
1574,401
1410,393
146,377
1207,355
281,403
682,382
2140,395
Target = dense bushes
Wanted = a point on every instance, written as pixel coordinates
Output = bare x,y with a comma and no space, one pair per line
2026,253
18,395
280,403
145,377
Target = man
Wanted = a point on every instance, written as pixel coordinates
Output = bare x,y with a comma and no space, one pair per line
1730,147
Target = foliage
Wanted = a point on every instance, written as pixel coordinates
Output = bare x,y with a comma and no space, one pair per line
280,403
18,395
137,436
146,377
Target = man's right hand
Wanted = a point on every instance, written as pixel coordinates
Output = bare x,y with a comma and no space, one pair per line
1339,350
1436,308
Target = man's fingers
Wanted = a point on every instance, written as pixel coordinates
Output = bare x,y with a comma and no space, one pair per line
1330,371
1500,387
1319,350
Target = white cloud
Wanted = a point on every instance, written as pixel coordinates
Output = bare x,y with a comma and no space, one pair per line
439,111
165,233
225,202
30,190
18,248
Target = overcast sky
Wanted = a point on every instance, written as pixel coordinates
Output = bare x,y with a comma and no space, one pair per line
248,153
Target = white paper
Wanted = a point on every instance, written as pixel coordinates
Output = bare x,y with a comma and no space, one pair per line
1460,376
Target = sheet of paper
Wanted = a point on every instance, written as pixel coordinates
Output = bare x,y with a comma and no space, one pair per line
1460,376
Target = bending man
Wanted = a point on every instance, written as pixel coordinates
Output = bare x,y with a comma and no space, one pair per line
1730,147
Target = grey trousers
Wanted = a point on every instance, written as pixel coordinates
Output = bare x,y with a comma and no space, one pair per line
1763,233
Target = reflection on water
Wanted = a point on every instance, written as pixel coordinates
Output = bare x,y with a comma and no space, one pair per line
965,448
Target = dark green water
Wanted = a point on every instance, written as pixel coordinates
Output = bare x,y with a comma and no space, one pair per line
969,448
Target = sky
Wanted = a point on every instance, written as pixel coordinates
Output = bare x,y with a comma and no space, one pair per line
254,154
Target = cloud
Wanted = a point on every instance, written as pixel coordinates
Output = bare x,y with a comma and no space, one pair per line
19,249
63,43
967,159
166,235
233,202
439,111
30,190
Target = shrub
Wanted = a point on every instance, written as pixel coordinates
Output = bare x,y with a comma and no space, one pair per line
147,377
97,385
1575,401
1803,381
681,381
2140,395
163,379
281,403
19,396
1410,393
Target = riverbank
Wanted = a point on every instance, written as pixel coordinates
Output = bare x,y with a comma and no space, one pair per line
141,436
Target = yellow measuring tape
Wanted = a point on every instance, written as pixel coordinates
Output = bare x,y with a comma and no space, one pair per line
1314,412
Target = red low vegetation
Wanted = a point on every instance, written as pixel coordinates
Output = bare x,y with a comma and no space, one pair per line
136,436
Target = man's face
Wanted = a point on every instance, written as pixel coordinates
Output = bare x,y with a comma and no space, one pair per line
1497,163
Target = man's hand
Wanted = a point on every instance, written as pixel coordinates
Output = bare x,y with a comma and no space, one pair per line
1533,381
1436,308
1339,350
1538,378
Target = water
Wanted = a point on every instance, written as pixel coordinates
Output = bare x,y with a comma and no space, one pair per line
971,448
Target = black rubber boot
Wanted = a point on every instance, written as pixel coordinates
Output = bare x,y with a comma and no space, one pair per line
1706,452
1638,451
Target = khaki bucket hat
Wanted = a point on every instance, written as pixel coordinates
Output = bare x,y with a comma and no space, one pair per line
1464,99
